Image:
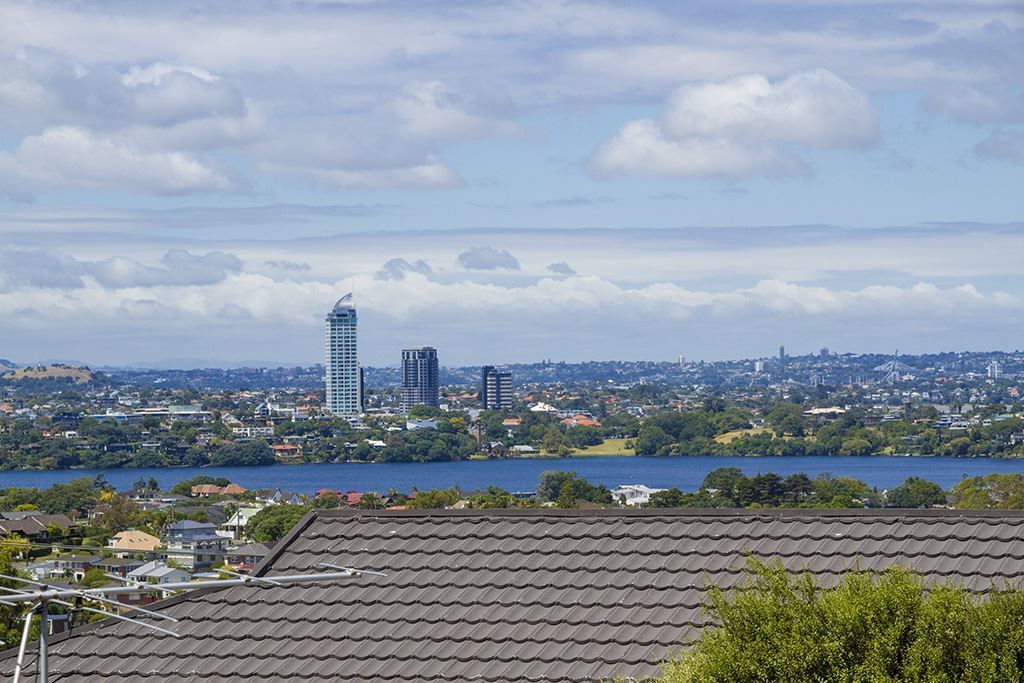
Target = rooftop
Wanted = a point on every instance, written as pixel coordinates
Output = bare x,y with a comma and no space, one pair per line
515,595
343,304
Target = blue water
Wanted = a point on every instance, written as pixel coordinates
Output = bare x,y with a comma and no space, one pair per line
521,475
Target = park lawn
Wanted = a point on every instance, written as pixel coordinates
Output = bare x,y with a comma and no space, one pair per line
609,447
737,433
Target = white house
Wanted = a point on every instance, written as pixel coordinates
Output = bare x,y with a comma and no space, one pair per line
633,494
234,527
156,572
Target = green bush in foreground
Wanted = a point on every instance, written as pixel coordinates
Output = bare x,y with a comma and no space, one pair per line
869,628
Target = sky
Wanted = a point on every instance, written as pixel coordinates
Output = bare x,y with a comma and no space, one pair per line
196,183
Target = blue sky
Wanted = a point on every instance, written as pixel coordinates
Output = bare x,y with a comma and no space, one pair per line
197,182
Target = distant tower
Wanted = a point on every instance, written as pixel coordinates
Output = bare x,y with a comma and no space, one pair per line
893,369
995,370
758,366
419,377
782,360
343,376
495,388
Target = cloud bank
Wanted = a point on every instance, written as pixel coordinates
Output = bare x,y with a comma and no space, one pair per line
742,127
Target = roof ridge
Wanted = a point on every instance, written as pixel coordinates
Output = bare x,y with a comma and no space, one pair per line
559,513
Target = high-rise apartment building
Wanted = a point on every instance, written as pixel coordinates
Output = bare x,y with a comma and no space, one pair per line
995,370
495,388
419,377
343,376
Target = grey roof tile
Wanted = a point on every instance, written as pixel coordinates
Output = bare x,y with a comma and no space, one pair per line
502,596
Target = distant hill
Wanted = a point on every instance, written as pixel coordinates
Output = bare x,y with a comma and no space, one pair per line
6,365
44,372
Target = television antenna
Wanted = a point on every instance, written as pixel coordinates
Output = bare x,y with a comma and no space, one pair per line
39,596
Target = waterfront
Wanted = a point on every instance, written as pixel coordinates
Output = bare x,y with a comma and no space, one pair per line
685,473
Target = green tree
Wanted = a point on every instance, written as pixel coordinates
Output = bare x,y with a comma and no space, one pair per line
371,501
273,522
915,493
885,628
1002,491
651,440
553,485
243,454
435,499
555,441
567,498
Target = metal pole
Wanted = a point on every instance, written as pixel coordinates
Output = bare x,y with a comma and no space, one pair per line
44,626
21,648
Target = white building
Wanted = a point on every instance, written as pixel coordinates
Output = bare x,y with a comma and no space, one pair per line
343,376
234,527
194,545
156,572
633,494
252,432
995,370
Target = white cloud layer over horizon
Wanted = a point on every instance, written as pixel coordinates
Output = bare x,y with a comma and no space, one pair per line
662,295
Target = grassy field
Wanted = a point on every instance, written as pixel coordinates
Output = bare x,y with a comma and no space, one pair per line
609,447
737,433
79,375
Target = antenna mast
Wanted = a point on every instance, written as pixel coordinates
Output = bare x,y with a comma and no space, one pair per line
42,594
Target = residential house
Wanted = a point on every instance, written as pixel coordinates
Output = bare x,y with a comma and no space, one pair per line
245,557
44,571
118,566
157,572
205,490
194,545
287,452
75,565
34,525
234,526
633,494
581,420
125,543
277,497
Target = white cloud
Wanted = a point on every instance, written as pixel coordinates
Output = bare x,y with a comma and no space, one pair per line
431,111
704,293
642,149
814,108
75,156
742,127
554,316
432,174
26,269
978,106
157,72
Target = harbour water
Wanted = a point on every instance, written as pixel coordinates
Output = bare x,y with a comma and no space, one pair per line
685,473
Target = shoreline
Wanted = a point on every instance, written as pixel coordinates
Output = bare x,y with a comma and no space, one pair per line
532,457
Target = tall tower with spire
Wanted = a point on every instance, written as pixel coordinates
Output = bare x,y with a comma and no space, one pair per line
343,375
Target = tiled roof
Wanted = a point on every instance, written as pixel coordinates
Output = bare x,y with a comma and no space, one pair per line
514,596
